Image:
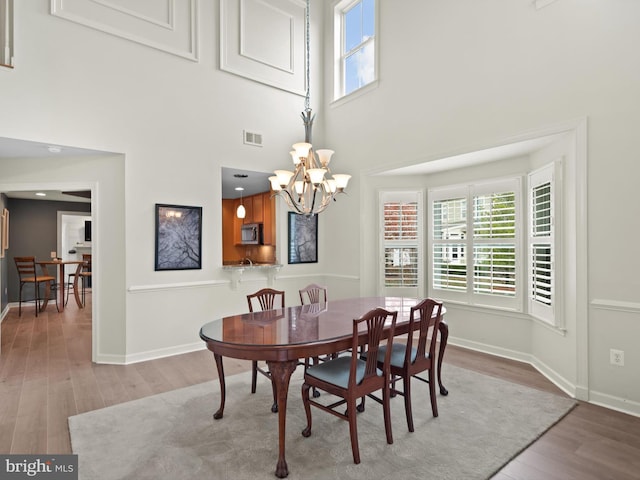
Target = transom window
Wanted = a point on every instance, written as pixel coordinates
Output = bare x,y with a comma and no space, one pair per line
6,33
355,25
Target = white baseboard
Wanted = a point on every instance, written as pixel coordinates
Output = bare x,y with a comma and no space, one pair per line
574,391
151,354
614,403
492,350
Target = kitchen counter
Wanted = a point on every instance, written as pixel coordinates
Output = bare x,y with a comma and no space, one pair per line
238,269
255,265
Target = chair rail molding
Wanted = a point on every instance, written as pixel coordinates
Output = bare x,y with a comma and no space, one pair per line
616,305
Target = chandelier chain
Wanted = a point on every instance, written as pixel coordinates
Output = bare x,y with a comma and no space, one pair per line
307,98
306,190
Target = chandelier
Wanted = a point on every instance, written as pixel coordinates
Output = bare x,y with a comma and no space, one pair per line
307,190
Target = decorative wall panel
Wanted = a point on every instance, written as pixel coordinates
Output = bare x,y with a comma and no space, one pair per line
264,41
167,25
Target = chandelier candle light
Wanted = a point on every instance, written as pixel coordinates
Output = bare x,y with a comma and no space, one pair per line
306,190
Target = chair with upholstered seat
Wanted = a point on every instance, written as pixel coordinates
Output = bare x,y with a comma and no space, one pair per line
27,275
414,357
352,377
267,299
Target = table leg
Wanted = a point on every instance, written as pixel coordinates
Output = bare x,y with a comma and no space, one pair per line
223,390
45,300
280,376
61,288
444,335
76,292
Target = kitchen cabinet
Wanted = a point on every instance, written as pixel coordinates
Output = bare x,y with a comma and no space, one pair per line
260,208
269,219
257,208
254,208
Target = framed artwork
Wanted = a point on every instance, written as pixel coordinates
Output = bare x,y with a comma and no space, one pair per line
4,232
178,237
303,238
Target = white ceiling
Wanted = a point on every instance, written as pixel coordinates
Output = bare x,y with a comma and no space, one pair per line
254,182
14,148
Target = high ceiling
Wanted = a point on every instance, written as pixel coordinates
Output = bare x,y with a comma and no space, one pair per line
256,182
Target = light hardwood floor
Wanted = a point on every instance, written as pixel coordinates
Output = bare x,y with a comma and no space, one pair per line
46,375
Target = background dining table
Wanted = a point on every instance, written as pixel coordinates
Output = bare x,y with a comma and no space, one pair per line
44,264
283,336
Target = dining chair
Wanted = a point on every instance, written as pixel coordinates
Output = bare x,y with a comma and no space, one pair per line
414,357
352,377
310,295
313,293
84,273
27,275
266,299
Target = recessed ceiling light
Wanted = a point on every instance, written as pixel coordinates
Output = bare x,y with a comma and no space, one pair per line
239,189
54,149
41,194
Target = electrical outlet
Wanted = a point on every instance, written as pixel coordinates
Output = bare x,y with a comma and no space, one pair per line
54,254
616,357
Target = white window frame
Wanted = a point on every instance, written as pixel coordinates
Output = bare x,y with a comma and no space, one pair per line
6,33
385,196
339,9
469,297
550,173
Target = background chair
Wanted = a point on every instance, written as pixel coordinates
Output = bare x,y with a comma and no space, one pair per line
267,299
414,357
84,273
313,293
352,377
27,274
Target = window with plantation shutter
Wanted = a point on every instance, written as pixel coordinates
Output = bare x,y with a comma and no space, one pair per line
474,244
541,244
400,242
494,249
449,250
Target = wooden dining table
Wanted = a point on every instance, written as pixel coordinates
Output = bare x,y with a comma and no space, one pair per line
44,264
283,336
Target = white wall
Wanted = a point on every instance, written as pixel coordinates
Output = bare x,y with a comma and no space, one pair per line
104,176
465,75
455,76
176,122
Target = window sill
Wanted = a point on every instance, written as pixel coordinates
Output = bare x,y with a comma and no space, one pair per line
355,94
504,312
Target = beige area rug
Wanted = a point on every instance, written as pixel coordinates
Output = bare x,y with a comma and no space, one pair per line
482,424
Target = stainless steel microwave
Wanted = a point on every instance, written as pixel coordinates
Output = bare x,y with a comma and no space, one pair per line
251,234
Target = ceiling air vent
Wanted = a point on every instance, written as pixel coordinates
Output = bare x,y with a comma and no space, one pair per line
252,138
